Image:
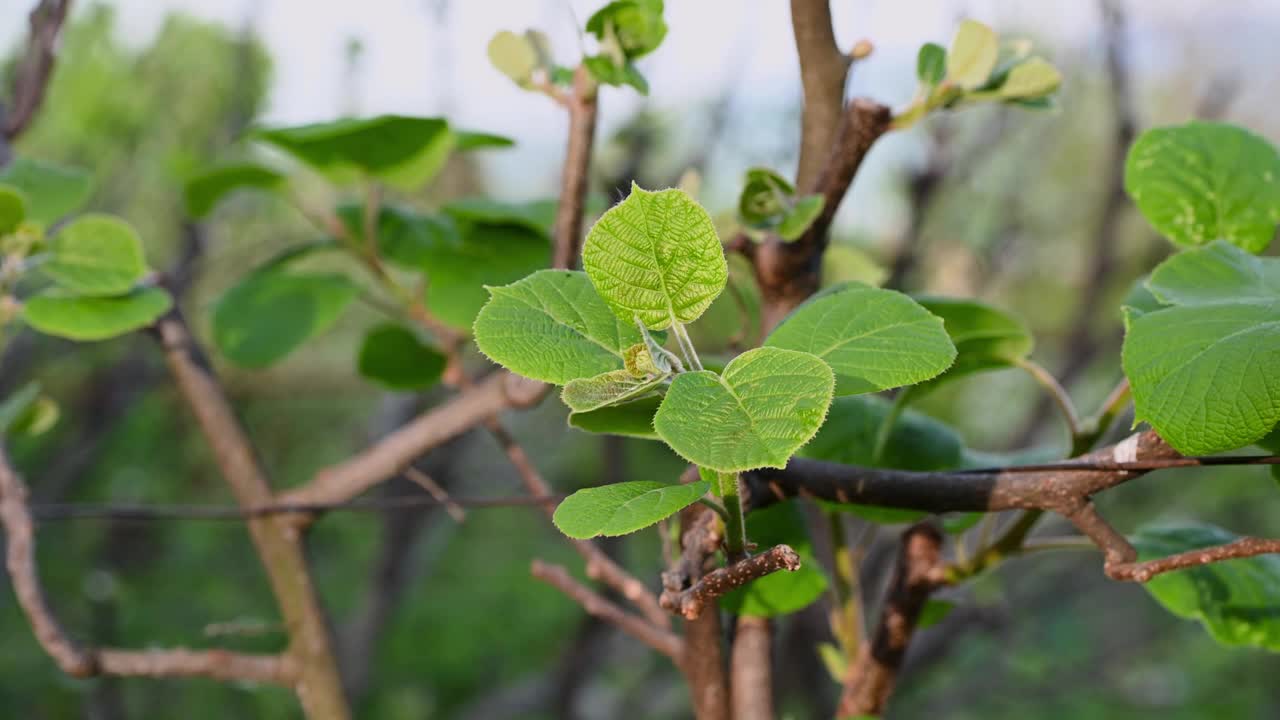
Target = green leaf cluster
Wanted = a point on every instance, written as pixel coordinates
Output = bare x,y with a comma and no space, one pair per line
626,30
769,203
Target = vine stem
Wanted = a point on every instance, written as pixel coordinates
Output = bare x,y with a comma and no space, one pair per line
735,535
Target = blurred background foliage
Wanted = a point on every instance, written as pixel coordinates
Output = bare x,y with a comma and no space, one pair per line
440,619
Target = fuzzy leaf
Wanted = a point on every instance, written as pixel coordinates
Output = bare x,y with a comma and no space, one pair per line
800,217
552,326
973,55
768,403
874,339
610,388
1199,182
623,508
514,56
1032,79
656,256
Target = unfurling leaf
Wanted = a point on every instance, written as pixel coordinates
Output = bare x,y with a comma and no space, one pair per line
874,339
610,388
1199,182
973,55
800,217
768,403
623,508
656,256
552,326
636,27
514,56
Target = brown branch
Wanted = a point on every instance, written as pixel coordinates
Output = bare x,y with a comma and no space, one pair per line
690,602
789,272
582,107
82,662
751,667
384,459
703,667
823,69
31,78
918,572
277,540
664,641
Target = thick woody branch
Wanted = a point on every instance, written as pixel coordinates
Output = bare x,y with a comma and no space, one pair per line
664,641
276,539
582,107
691,601
82,662
789,272
703,667
919,570
823,69
31,78
751,667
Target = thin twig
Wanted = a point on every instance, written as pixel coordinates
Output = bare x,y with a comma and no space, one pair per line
433,489
690,602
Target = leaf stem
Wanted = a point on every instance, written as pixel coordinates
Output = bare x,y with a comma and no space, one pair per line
735,527
686,346
1055,390
886,425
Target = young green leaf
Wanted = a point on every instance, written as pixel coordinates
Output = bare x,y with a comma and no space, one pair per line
1229,598
606,70
514,56
395,358
204,191
1202,181
76,317
1204,371
765,197
467,140
623,508
843,263
782,592
52,191
271,312
800,217
656,256
13,208
768,403
404,152
96,255
973,55
610,388
636,26
931,64
874,339
16,406
1031,79
631,419
552,326
986,338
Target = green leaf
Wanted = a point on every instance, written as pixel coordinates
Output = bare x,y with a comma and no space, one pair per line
934,612
1235,600
514,56
1206,372
765,197
467,140
1202,181
1139,301
1032,79
271,312
610,388
768,404
97,255
75,317
27,412
537,215
800,217
632,419
844,263
656,256
779,593
552,326
916,442
52,191
203,192
985,337
605,70
973,55
931,64
636,26
623,508
874,339
460,265
13,208
393,357
404,152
